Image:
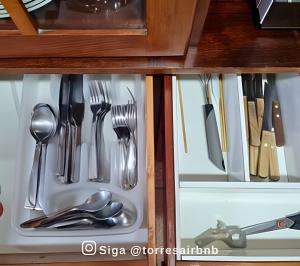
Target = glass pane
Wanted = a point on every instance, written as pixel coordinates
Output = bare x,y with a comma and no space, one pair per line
91,14
7,24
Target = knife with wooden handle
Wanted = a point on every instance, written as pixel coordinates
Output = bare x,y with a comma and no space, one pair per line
252,115
276,113
259,100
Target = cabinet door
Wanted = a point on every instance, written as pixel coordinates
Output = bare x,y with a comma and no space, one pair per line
99,28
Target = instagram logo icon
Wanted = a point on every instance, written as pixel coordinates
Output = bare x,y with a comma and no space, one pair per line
88,248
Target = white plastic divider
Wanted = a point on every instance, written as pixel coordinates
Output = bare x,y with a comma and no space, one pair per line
241,207
45,88
195,165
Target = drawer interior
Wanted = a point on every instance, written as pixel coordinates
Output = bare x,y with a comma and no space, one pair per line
18,96
233,196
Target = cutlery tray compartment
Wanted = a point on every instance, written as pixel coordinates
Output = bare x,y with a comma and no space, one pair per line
241,207
193,165
33,89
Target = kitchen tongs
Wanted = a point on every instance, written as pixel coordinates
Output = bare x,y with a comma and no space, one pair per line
236,237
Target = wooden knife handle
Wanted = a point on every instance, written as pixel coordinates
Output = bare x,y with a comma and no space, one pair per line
274,166
253,157
253,125
260,105
277,122
246,116
264,155
268,160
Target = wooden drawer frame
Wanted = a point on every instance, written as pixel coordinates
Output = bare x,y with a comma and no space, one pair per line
170,213
31,259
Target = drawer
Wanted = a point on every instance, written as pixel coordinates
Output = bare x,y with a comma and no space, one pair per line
204,194
19,95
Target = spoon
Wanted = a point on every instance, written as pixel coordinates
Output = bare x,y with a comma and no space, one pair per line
125,219
112,209
92,204
42,128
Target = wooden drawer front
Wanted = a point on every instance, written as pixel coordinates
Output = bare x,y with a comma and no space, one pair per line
204,194
19,94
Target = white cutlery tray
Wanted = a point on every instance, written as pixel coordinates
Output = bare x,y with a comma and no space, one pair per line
35,89
233,196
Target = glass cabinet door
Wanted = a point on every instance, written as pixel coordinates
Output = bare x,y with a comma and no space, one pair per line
90,14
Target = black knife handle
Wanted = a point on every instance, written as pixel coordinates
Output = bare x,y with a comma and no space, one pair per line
277,123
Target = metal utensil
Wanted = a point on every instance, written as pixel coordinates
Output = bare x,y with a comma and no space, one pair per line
122,131
125,219
43,127
64,125
131,159
276,112
76,118
212,133
236,237
114,208
92,204
268,161
100,103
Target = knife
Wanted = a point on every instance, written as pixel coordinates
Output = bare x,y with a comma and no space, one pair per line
276,112
76,118
64,126
252,115
259,100
268,161
245,98
211,128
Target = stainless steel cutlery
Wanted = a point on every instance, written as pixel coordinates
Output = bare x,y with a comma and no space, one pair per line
124,125
43,127
99,210
71,113
100,103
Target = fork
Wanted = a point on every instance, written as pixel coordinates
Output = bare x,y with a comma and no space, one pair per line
131,158
100,104
122,131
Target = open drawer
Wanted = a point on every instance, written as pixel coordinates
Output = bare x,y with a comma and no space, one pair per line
204,193
19,95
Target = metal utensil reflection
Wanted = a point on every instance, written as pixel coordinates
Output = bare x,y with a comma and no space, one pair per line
96,6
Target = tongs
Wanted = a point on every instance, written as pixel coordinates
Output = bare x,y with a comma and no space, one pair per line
236,237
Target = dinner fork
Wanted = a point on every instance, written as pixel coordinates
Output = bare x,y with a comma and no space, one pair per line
131,158
122,131
100,104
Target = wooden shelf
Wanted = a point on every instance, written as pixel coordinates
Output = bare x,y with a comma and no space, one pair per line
230,43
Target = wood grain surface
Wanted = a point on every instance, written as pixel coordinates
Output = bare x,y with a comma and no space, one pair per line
20,16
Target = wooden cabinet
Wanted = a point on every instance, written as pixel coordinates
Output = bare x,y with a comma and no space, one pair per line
139,28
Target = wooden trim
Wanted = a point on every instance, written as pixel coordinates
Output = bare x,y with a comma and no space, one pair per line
103,263
106,32
199,19
169,172
20,16
150,168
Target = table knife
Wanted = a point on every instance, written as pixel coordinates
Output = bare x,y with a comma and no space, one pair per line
76,118
64,126
276,112
268,161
